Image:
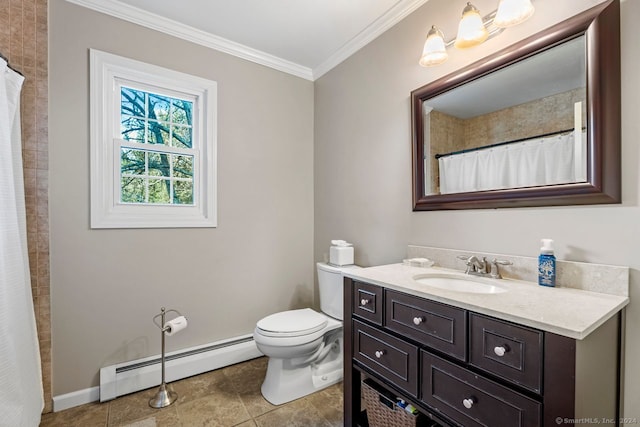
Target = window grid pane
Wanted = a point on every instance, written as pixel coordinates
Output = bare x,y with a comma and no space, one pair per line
165,179
132,128
155,119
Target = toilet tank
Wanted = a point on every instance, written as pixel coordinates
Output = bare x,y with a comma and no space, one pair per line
330,284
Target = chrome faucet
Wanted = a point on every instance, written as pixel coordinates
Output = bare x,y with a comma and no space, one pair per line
482,267
475,266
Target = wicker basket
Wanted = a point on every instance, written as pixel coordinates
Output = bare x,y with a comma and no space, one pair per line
382,410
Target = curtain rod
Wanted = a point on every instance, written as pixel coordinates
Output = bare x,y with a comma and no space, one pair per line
8,65
468,150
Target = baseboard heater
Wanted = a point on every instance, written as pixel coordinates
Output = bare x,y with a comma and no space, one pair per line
124,378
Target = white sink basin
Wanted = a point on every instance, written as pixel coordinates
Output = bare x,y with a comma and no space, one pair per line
459,283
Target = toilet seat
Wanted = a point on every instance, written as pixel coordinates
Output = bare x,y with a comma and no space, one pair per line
292,323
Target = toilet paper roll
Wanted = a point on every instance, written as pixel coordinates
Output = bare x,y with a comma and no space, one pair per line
174,326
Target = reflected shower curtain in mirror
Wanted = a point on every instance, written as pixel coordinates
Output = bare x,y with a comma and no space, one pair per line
539,161
21,394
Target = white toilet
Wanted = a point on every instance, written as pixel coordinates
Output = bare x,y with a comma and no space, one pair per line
304,347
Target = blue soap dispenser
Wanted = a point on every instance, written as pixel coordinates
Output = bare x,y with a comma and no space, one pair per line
547,264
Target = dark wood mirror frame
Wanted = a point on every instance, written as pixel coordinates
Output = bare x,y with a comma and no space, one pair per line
601,25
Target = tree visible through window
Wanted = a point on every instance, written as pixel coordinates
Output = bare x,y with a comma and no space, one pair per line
157,137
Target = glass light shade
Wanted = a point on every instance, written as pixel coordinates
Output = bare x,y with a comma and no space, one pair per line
471,30
435,51
513,12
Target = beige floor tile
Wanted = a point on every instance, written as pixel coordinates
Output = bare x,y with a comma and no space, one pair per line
210,383
225,397
135,407
299,413
147,422
92,414
166,418
329,404
223,411
246,379
256,404
249,371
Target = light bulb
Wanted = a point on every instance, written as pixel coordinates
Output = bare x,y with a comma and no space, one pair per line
471,30
434,51
513,12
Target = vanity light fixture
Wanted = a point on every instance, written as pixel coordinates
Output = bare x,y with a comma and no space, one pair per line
435,51
474,29
471,29
513,12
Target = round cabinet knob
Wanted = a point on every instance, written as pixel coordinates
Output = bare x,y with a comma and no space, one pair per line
468,403
379,353
364,301
500,351
418,320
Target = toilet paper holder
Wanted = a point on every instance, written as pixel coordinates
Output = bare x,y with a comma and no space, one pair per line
162,315
163,397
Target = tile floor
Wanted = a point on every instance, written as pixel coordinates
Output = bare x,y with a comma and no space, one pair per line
225,397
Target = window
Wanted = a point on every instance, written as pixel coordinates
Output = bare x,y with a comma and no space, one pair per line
156,148
152,146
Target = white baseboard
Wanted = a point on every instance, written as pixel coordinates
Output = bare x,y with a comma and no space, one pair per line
124,378
75,398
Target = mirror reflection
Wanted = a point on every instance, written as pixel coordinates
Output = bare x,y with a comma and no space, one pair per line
522,126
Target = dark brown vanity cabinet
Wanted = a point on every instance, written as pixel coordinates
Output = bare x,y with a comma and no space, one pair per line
393,359
509,351
462,368
436,325
473,400
367,302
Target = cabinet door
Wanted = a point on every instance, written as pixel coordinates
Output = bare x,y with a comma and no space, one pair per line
391,358
510,351
472,400
433,324
367,302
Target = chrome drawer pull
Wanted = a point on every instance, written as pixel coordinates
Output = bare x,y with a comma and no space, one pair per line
364,301
468,403
380,353
501,350
418,320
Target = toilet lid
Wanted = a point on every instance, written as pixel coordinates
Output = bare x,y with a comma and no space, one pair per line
292,323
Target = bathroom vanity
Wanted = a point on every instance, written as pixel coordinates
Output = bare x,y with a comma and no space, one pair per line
515,355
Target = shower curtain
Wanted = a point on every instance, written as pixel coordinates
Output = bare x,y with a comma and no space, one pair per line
21,393
538,161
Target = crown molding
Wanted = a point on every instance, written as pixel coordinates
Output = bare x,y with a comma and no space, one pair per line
156,22
394,15
138,16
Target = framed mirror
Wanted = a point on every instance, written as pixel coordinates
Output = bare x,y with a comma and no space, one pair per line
536,124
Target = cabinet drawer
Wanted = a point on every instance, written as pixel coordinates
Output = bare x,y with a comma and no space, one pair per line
436,325
389,357
472,400
367,302
510,351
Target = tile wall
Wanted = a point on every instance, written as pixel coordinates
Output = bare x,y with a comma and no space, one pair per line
23,40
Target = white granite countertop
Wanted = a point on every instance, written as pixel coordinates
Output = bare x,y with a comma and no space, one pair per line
573,313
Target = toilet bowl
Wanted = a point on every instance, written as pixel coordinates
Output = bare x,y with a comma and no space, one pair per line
304,347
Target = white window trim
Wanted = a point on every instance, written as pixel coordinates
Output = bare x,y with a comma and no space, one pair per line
106,211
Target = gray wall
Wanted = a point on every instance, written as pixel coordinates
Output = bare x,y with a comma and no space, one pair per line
106,285
362,157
